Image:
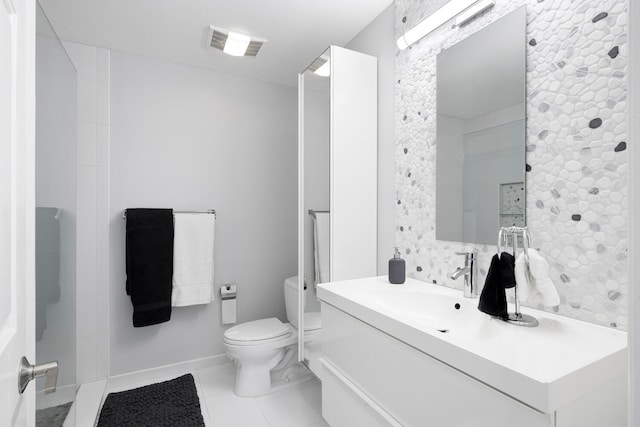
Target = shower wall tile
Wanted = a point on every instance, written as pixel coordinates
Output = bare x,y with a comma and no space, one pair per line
87,133
92,271
86,279
102,145
102,356
577,164
102,313
86,101
86,187
86,310
86,351
86,227
102,104
102,186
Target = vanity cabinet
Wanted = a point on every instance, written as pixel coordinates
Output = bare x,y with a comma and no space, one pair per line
403,386
373,379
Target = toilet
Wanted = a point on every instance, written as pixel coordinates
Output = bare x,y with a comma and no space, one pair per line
264,346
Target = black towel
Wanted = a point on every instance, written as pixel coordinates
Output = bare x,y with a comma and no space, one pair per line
493,299
149,264
507,270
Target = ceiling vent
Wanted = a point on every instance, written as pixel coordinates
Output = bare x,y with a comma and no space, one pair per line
232,43
321,66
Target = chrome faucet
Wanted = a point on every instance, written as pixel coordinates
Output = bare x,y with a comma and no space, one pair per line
470,272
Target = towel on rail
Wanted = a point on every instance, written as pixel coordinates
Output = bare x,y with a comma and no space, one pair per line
321,246
149,264
193,259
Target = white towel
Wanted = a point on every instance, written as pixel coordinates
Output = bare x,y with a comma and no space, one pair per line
538,287
192,259
321,246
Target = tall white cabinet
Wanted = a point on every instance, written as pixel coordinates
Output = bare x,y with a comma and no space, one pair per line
337,98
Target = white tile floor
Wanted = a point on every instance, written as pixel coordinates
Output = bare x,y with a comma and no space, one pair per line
296,405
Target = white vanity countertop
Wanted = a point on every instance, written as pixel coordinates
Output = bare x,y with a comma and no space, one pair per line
544,367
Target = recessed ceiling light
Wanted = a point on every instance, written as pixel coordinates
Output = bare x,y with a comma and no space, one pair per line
236,44
233,43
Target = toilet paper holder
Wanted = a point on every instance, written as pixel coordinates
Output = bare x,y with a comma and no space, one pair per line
228,291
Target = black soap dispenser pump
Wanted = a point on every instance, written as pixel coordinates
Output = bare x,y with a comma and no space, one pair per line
397,269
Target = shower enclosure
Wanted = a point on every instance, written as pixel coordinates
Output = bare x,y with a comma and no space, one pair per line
56,147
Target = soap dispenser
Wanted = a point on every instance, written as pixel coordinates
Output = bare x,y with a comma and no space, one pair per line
397,269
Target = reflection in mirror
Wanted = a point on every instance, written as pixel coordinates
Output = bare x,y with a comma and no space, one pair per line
316,175
481,133
315,198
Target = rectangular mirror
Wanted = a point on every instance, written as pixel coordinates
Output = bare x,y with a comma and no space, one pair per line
480,158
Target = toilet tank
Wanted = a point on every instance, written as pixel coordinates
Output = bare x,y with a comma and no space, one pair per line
291,299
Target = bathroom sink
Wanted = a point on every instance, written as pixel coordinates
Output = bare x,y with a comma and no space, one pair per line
535,365
444,314
425,306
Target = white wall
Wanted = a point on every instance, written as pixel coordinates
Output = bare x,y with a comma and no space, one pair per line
189,138
377,39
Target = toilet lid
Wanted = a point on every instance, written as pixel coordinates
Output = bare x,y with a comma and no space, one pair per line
257,330
312,321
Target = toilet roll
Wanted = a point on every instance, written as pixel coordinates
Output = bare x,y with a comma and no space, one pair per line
228,297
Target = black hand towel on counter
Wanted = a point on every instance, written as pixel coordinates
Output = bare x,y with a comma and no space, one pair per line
149,264
493,299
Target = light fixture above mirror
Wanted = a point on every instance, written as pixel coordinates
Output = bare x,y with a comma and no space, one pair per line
464,10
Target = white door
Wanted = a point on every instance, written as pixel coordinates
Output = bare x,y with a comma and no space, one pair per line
17,128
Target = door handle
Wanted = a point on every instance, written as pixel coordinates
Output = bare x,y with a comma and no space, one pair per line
27,372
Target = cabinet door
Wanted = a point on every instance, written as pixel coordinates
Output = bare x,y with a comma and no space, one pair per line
354,165
411,386
345,405
604,406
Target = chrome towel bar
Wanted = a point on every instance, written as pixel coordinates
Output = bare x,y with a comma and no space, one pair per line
208,211
313,212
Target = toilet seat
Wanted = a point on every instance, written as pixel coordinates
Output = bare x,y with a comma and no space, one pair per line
257,332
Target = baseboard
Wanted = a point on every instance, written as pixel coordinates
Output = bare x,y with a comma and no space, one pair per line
124,381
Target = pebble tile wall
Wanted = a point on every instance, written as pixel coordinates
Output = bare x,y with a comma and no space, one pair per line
576,191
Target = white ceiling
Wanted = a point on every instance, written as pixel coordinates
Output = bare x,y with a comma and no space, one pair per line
176,30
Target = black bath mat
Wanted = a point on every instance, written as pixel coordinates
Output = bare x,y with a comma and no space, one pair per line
169,403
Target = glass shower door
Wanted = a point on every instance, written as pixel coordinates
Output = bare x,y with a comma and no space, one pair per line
56,146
